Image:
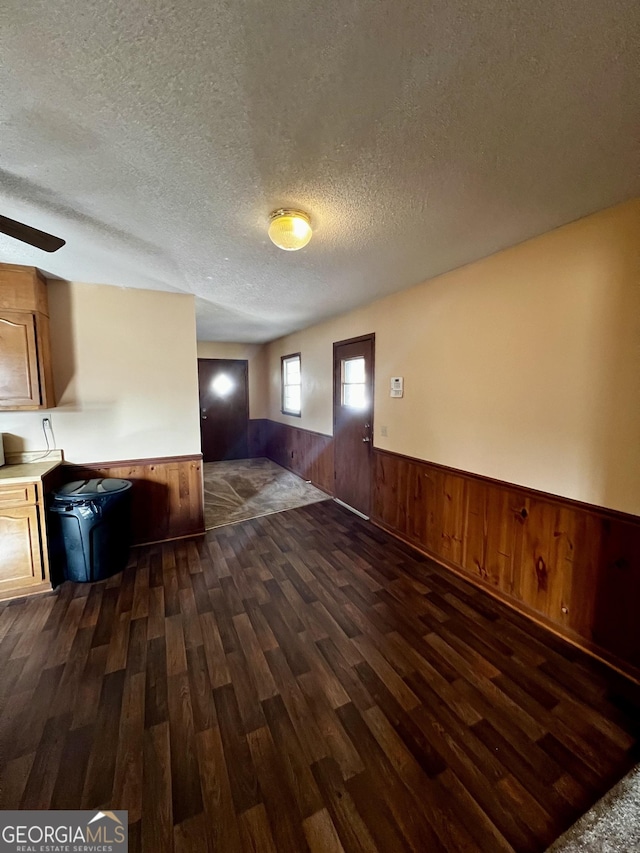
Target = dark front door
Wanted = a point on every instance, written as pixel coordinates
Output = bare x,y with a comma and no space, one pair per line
353,420
224,408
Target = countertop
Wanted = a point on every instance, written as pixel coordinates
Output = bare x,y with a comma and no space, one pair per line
27,472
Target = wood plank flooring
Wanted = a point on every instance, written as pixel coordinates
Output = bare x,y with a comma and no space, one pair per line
299,682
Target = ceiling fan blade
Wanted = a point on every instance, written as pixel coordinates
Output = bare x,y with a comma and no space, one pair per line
39,239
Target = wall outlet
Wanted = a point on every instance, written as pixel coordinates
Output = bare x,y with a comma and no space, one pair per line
47,429
383,431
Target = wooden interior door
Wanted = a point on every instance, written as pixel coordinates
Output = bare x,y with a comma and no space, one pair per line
224,408
353,421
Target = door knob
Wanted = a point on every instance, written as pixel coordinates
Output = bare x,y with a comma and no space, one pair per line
366,439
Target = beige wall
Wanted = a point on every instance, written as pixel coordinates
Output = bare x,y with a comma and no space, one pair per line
256,355
125,376
524,366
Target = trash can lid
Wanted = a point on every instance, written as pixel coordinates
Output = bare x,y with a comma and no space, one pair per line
94,487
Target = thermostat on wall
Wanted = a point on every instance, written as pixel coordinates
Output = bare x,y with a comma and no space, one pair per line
397,386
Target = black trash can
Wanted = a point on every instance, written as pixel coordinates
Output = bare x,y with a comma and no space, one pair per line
93,527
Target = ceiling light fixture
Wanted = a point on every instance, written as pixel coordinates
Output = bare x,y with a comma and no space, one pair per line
289,229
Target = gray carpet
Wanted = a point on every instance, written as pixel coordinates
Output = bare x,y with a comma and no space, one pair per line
247,488
611,826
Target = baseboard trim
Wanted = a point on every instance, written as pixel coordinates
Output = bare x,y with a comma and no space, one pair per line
352,509
195,535
26,591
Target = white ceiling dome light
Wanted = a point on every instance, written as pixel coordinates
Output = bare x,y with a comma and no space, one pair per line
289,229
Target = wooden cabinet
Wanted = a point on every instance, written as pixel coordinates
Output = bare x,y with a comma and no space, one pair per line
26,380
24,565
21,563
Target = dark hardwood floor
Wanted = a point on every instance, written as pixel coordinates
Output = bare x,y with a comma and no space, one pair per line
303,681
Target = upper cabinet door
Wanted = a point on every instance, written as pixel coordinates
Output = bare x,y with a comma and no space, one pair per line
26,375
19,378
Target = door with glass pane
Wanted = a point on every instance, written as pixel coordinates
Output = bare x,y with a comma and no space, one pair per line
353,420
224,408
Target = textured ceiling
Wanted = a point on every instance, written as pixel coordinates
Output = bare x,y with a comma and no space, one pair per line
157,136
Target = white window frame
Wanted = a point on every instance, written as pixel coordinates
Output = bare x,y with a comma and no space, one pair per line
344,384
284,361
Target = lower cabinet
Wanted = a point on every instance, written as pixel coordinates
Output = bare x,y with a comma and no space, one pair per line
24,565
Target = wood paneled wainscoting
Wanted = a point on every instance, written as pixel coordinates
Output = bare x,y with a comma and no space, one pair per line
573,567
167,495
308,454
258,434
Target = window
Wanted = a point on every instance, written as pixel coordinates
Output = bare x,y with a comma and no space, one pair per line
353,383
291,386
